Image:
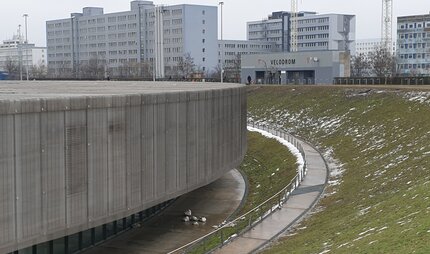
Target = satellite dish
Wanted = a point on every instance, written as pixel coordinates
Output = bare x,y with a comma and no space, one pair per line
316,59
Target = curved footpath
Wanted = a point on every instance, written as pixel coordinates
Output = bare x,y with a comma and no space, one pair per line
166,232
298,205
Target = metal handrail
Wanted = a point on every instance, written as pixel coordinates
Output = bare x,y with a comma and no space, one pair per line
281,197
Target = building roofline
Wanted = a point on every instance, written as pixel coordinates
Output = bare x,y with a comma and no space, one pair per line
421,16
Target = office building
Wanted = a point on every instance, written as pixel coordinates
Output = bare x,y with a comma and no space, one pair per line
17,52
413,45
316,32
366,46
145,41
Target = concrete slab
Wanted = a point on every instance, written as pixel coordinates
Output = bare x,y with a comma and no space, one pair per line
241,245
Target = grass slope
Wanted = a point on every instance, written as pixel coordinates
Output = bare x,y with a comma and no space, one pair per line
269,166
379,198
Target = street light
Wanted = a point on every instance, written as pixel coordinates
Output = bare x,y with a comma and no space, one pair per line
222,45
20,52
26,44
267,70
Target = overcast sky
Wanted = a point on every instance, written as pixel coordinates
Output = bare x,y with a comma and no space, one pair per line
236,13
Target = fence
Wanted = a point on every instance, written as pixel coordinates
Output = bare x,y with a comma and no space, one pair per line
234,228
383,81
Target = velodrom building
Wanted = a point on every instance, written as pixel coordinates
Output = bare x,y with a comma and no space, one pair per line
78,159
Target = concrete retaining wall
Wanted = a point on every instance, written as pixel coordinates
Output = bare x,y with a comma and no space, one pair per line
68,164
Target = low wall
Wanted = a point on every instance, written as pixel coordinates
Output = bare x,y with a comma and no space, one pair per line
72,160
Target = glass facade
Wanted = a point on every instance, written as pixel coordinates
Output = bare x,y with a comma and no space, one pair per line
86,239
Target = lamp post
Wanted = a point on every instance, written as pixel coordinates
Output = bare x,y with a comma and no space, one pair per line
26,44
222,44
19,52
267,70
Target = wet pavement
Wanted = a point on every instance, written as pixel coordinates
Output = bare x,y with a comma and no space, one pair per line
166,232
297,206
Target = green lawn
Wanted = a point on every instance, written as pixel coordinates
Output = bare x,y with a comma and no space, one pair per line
381,139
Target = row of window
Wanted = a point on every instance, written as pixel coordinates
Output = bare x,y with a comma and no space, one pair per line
65,24
414,56
414,25
313,44
167,12
312,21
374,43
110,36
413,35
59,40
414,66
59,48
265,25
116,27
313,36
414,45
314,28
110,20
59,32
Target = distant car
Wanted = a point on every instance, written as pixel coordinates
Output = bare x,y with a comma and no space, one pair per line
3,75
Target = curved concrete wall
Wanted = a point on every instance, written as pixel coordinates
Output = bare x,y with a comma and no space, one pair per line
70,161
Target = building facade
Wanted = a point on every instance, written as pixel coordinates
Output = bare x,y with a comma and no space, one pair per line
311,67
16,55
146,41
316,32
230,53
413,45
366,46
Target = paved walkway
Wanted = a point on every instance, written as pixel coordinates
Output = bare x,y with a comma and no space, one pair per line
167,232
299,203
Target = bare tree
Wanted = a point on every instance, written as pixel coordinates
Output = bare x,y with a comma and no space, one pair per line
186,66
233,69
12,68
38,71
95,68
62,70
382,62
360,66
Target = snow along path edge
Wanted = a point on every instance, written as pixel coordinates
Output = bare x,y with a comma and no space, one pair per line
300,160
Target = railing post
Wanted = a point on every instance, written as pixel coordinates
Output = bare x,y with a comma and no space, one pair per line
280,200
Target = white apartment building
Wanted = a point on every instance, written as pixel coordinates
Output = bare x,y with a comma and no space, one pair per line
146,40
413,45
20,53
316,32
365,46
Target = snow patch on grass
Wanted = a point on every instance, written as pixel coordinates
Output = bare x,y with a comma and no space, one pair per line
421,97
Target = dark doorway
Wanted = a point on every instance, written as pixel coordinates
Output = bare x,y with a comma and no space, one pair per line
301,77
